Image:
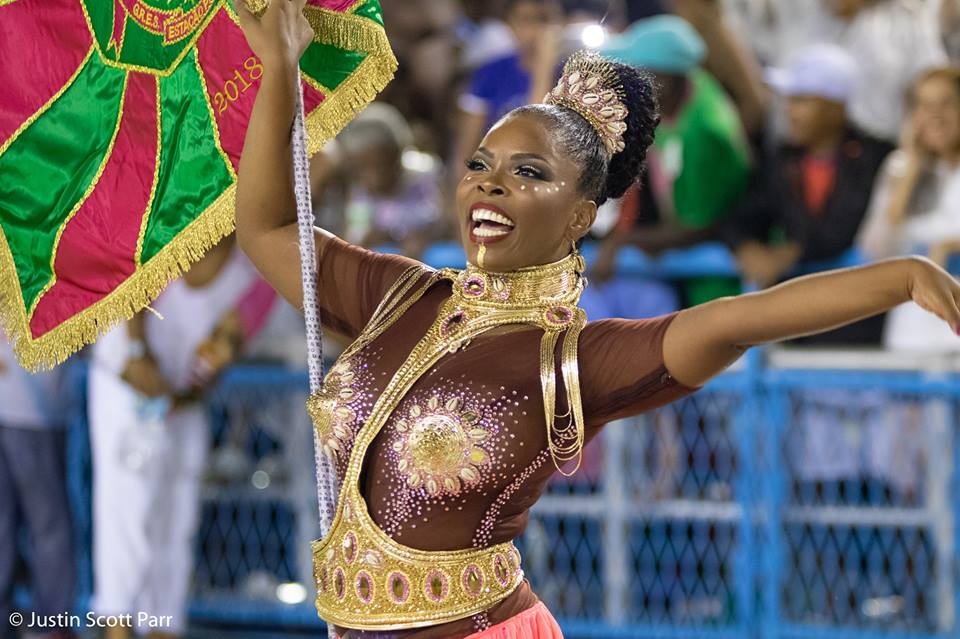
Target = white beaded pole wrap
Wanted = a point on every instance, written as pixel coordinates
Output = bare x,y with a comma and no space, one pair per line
326,473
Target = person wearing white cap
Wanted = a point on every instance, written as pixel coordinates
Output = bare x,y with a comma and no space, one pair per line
822,71
813,192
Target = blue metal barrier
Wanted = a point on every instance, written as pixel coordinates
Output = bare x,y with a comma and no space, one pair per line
692,522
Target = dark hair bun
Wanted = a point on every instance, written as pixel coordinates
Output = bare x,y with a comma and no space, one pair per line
639,90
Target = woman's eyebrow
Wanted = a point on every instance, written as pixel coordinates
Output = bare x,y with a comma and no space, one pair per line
528,156
484,151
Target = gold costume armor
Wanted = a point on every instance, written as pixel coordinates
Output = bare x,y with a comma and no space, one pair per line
367,580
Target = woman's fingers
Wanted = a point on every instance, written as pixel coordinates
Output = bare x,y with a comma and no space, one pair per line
275,6
955,298
947,309
244,15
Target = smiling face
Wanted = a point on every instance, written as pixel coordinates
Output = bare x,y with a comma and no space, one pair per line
520,197
936,113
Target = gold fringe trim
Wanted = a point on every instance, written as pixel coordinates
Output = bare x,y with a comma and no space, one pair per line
134,293
351,97
348,31
353,33
345,31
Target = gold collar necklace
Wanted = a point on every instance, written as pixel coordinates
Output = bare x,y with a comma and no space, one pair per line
545,287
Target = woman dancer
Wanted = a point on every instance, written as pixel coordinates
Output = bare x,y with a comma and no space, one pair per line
465,390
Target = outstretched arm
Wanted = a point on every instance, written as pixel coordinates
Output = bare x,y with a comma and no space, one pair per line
704,340
266,209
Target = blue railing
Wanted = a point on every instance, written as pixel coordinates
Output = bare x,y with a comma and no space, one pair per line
699,520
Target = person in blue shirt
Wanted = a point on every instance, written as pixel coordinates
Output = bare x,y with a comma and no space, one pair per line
505,83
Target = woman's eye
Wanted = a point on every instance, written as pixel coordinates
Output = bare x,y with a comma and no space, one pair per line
475,165
529,171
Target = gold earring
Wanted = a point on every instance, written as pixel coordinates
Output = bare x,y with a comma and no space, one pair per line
581,266
481,252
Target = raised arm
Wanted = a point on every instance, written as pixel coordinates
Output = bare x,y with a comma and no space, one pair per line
266,209
704,340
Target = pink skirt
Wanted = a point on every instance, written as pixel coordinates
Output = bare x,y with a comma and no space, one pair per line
534,623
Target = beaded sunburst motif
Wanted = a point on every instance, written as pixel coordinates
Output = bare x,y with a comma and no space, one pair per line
439,446
589,86
334,412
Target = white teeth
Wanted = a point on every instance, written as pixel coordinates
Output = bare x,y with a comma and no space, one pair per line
480,215
487,232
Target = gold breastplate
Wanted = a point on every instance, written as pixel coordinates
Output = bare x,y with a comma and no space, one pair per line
364,578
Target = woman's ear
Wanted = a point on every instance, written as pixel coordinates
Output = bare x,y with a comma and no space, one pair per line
583,218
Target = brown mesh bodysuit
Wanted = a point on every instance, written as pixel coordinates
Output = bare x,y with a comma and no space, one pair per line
496,377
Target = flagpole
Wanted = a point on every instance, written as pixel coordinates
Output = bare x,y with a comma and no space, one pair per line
326,473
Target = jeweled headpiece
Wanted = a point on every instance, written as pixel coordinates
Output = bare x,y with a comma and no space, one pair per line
590,86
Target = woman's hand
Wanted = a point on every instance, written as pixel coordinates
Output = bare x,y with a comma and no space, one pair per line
935,291
278,37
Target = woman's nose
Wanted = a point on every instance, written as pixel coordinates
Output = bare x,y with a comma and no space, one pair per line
491,187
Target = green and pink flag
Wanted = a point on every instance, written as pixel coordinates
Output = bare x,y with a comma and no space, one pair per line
121,126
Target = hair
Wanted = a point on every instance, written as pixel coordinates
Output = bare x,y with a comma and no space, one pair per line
948,74
605,177
510,5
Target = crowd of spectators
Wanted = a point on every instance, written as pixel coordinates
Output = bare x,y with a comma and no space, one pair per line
778,122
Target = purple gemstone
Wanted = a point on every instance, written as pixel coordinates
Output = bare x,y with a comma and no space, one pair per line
474,286
364,586
399,587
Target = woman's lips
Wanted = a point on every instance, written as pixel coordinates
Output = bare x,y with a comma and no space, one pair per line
489,223
488,232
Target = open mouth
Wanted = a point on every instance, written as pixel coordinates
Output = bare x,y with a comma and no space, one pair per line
489,224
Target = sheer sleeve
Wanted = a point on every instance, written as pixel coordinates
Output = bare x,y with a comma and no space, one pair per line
622,372
352,281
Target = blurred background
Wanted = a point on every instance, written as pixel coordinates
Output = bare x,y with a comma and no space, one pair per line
811,491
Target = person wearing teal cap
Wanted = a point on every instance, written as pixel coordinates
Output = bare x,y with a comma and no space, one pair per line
664,44
700,161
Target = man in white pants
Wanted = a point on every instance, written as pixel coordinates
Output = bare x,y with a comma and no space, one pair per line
150,441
